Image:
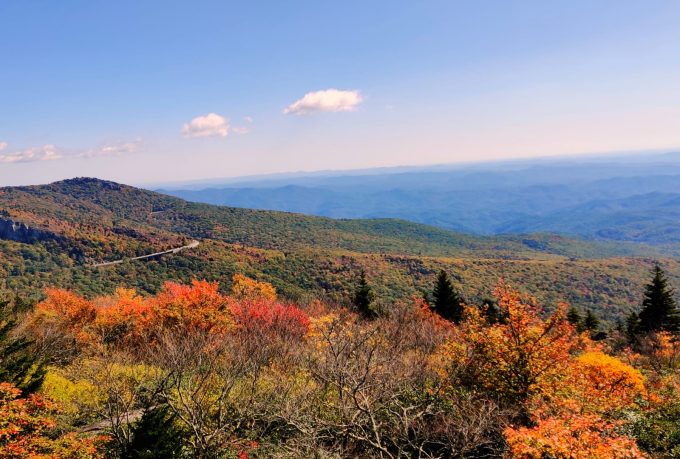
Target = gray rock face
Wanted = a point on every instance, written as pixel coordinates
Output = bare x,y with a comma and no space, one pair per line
20,232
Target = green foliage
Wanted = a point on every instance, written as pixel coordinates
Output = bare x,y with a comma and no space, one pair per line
658,431
18,364
632,327
156,436
591,322
447,301
659,310
303,257
574,317
363,297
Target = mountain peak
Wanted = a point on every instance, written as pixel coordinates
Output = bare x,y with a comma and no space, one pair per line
88,182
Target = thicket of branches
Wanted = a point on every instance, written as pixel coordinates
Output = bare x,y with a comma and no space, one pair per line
192,372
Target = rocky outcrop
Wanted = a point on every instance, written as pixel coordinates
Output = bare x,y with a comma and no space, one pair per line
20,232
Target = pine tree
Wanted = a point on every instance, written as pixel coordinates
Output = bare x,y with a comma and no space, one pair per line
156,436
447,301
591,322
620,327
17,364
574,318
659,310
363,297
632,327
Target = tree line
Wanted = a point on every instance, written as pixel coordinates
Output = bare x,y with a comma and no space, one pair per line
658,312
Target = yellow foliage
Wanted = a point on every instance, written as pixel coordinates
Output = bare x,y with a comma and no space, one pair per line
245,288
83,388
606,382
71,396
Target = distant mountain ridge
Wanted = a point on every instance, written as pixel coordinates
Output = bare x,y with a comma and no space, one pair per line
627,199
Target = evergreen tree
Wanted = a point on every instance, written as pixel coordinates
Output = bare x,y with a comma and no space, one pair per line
156,436
17,364
447,301
620,327
363,297
591,322
574,318
632,327
659,310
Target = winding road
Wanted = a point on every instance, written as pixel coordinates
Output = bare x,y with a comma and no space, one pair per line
191,245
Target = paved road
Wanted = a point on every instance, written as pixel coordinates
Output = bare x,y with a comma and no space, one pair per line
191,245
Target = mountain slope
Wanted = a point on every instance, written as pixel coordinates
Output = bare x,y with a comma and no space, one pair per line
119,208
85,221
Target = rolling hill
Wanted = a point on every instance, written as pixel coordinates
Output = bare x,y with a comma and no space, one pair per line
52,235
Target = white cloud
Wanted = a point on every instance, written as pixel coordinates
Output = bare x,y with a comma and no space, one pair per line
242,130
51,152
210,125
248,119
3,145
44,153
113,149
328,100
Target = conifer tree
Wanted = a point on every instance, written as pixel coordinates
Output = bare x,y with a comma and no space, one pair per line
659,310
155,436
620,327
363,297
447,301
574,318
17,364
591,322
632,327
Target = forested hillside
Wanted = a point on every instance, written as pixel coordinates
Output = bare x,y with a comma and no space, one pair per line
81,222
272,334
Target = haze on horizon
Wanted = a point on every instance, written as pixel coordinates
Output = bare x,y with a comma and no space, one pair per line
144,92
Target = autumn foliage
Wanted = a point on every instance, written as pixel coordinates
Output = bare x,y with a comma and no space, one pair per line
245,288
27,430
566,395
245,373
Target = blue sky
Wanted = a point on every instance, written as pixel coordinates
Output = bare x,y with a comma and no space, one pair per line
155,91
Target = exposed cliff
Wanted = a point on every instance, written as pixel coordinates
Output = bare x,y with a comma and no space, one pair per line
20,232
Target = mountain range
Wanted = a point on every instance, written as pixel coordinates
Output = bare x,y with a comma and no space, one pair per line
55,236
634,198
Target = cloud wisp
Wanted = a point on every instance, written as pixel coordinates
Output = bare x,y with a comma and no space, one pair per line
327,100
210,125
29,155
113,149
53,153
241,130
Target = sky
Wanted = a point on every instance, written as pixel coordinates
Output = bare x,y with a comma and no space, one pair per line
159,91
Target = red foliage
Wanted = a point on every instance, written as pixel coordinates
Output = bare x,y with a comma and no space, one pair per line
26,425
568,436
65,313
198,306
128,319
270,318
